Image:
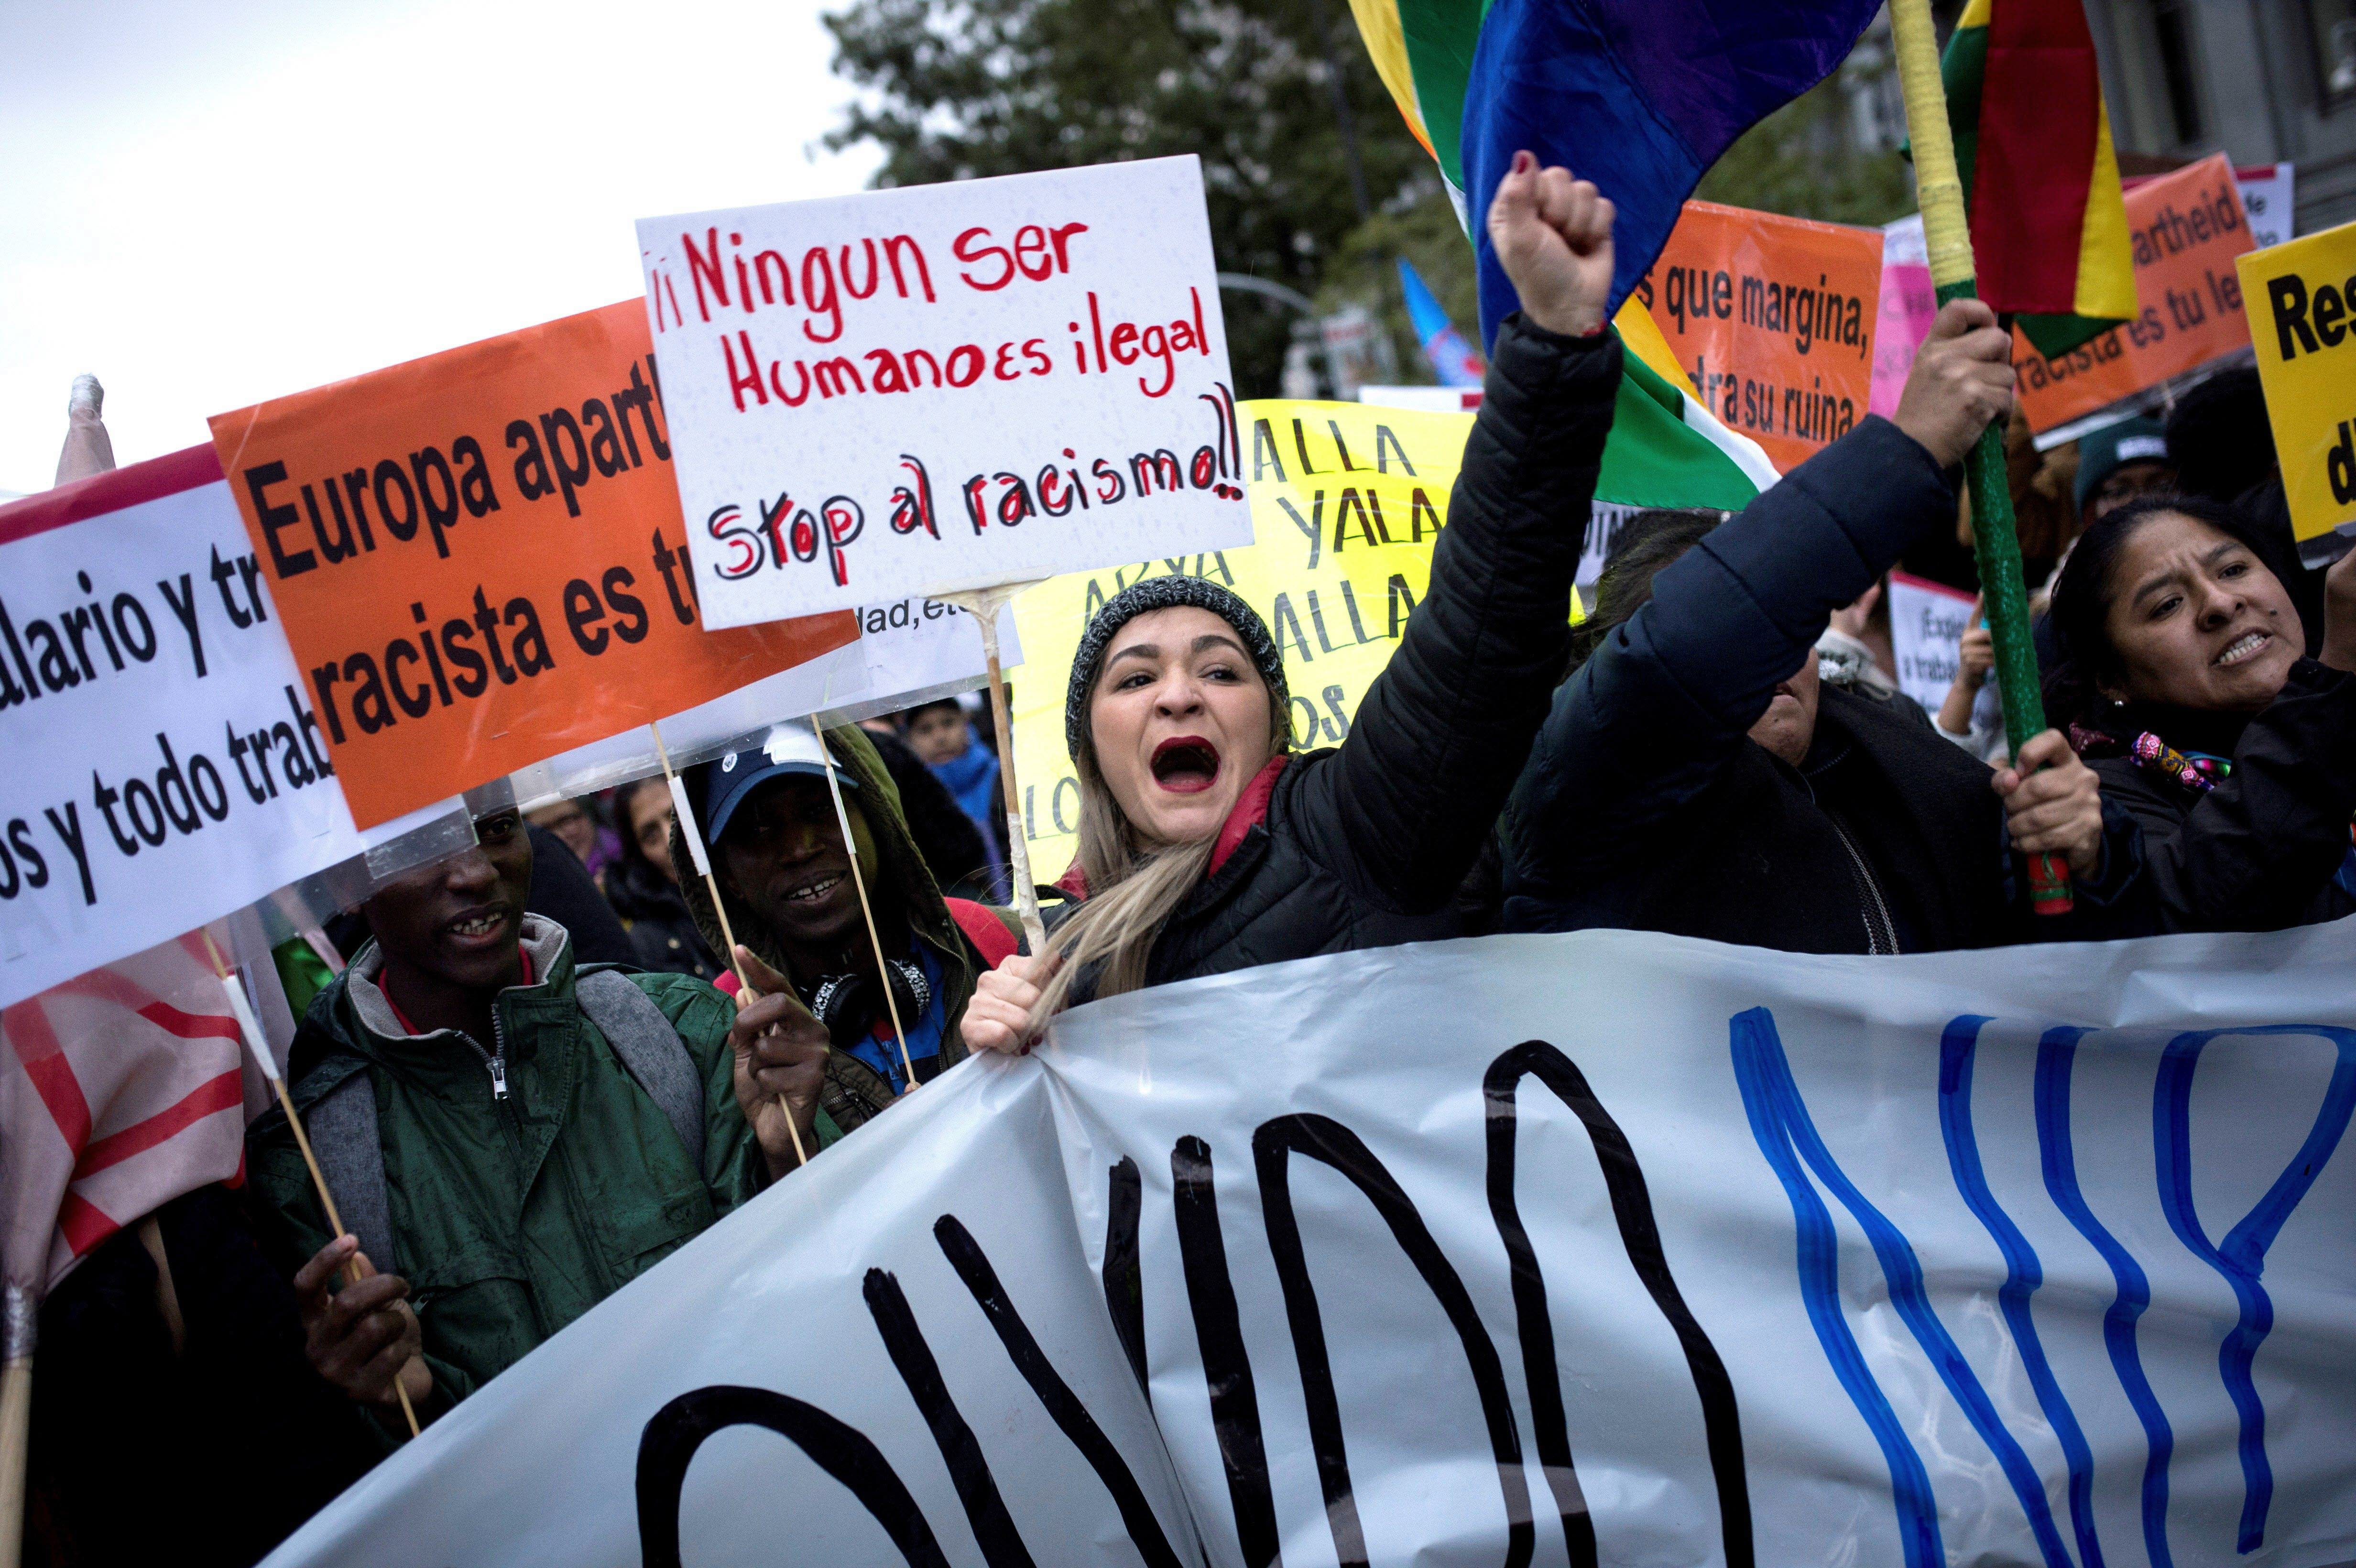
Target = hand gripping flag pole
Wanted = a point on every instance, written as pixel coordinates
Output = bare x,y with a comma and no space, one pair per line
1946,234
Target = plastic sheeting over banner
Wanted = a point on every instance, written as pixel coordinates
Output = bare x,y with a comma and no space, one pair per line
1609,1247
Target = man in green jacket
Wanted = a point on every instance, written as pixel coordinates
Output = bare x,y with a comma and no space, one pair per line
509,1139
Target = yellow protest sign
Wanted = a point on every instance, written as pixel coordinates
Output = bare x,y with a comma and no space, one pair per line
2302,310
1347,501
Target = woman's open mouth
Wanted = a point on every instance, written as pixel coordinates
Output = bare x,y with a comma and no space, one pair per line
1185,765
2242,649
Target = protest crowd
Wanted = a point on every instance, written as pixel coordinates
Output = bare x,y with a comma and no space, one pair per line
531,1069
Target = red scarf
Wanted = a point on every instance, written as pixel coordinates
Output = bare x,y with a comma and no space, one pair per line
1250,811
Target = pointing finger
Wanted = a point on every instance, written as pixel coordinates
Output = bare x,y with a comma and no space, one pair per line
757,975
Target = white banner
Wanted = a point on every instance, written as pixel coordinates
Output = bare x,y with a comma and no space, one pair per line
1601,1248
1927,621
909,390
164,766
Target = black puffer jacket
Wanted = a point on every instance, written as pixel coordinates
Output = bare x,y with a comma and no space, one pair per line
1366,844
1647,807
563,889
2269,847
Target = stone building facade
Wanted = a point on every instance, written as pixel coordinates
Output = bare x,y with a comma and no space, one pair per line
2260,81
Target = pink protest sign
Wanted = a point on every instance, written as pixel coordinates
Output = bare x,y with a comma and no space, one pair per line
1908,305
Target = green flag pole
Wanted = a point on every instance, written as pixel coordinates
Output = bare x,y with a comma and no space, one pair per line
1947,236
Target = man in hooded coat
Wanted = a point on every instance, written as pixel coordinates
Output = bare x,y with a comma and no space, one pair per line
776,849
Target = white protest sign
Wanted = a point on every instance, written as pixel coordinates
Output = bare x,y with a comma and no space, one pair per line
1609,1247
2267,192
1927,622
946,386
163,767
917,649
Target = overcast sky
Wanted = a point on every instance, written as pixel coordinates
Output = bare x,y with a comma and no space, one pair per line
210,204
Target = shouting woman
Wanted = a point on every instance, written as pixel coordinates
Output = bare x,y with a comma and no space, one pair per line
1206,844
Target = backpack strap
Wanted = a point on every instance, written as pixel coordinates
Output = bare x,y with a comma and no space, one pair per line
650,1049
349,1147
986,928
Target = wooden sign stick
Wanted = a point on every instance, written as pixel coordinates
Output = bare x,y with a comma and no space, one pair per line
18,1317
851,848
250,1028
691,831
984,604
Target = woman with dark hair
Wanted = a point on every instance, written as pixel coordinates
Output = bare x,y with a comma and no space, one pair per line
643,887
1697,778
2184,682
1206,845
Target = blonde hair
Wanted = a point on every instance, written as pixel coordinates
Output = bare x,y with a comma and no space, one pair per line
1134,886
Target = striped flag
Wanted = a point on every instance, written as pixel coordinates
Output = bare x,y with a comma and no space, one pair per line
1640,96
1587,84
120,1090
1665,449
2050,236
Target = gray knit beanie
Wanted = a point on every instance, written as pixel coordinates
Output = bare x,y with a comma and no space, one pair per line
1167,594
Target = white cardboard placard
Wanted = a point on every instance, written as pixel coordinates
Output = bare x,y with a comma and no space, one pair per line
164,765
2268,197
1927,622
948,385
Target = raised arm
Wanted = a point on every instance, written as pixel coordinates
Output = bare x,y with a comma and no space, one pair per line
1658,713
1403,810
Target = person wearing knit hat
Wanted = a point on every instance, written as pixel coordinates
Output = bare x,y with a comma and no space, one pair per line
1165,593
2119,463
1206,844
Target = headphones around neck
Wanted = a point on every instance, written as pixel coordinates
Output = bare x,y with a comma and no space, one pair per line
850,1004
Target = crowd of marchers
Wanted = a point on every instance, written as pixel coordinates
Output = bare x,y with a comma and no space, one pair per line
546,1067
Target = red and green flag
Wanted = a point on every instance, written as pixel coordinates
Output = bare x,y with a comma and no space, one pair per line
2050,238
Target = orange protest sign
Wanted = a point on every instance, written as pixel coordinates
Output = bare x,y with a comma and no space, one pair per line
2186,227
1772,319
479,560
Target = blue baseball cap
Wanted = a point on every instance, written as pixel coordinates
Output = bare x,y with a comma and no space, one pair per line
789,749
